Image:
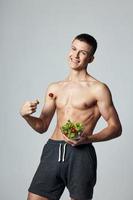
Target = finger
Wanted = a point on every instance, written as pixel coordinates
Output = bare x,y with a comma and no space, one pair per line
34,103
37,101
64,137
77,143
32,110
33,106
80,141
68,140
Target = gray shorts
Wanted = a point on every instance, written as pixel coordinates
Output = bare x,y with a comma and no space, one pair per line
62,165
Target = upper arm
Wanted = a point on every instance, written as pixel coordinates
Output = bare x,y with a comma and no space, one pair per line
106,107
49,107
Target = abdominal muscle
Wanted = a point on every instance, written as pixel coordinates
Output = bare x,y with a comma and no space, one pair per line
88,117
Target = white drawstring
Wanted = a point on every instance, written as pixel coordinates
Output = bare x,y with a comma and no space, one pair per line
64,151
59,159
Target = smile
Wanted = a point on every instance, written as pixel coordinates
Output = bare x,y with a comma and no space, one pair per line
74,61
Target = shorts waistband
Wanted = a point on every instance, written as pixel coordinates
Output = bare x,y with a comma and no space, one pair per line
52,141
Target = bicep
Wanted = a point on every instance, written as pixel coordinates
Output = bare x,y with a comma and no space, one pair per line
49,107
106,106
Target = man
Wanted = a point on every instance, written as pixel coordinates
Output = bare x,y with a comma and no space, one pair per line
79,98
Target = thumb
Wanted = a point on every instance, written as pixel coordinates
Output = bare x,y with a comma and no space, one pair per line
36,101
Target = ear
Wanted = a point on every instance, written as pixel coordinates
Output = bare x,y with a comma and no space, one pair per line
90,60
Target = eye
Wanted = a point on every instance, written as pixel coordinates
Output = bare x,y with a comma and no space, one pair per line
73,48
84,53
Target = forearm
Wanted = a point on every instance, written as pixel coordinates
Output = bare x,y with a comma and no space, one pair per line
107,133
36,123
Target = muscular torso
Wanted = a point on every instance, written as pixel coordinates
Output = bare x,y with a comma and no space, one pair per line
76,101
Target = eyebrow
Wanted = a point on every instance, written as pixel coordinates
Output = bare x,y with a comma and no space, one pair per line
81,49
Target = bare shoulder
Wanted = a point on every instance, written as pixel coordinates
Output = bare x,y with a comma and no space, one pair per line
102,89
103,93
98,85
54,87
99,88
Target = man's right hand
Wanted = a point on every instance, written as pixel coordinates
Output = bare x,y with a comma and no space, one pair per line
28,108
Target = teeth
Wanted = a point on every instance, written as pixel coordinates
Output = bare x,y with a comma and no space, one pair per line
74,61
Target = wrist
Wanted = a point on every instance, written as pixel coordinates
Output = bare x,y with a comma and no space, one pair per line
89,138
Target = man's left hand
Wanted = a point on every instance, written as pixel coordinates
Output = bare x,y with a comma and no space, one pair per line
82,140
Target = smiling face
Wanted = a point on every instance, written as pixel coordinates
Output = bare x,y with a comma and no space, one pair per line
80,55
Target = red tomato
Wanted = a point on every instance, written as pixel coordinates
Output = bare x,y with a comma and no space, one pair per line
51,94
73,130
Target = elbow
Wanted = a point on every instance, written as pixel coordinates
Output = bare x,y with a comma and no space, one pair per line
118,131
43,130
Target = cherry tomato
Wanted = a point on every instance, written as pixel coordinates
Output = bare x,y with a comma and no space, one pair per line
51,94
73,130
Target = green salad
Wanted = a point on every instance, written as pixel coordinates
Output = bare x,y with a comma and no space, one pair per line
72,130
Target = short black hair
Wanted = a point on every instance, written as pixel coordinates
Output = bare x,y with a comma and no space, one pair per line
89,40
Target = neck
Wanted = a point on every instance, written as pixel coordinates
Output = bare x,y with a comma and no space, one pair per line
80,75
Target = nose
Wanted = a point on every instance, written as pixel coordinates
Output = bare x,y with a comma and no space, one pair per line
76,54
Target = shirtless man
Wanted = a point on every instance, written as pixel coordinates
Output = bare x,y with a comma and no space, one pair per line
80,98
